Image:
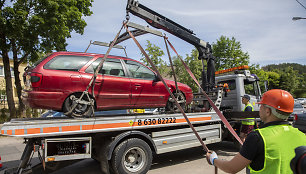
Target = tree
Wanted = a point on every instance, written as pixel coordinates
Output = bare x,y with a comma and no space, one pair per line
288,79
228,53
155,54
271,77
195,66
30,27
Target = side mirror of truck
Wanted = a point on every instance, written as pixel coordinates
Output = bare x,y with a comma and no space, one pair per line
266,85
250,80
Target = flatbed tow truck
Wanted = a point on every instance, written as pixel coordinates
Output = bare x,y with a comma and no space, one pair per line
125,144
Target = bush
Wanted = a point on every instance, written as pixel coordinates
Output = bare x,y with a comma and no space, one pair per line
3,115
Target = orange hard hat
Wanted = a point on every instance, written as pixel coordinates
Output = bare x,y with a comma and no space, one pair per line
278,99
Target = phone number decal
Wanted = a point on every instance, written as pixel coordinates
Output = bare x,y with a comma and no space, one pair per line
154,121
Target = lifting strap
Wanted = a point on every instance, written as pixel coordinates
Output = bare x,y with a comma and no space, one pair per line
176,102
229,127
161,78
92,81
171,64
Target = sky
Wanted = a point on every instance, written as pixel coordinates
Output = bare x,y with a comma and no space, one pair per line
264,28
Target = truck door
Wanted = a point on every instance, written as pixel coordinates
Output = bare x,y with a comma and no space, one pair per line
252,89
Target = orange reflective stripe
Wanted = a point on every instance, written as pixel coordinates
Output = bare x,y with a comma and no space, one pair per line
87,127
33,131
19,131
71,128
111,125
50,129
9,132
200,119
96,126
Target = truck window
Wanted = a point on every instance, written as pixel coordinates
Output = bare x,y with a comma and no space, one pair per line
231,84
250,88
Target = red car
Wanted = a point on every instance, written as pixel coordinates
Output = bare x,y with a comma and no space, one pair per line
56,81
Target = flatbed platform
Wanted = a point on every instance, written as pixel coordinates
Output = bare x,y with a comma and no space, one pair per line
44,127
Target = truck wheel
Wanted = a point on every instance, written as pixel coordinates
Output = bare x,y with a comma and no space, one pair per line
81,110
171,106
53,166
132,156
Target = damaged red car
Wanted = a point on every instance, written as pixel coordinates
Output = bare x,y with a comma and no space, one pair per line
55,81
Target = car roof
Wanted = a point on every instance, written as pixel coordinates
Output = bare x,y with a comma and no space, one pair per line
89,54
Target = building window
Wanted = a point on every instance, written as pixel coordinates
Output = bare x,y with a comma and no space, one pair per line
1,71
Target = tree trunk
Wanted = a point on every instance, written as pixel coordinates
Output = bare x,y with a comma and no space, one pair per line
17,78
7,75
9,87
18,85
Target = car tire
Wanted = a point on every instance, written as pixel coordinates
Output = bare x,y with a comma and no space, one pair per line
171,106
81,110
132,156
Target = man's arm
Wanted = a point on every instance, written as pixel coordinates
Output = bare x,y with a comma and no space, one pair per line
235,165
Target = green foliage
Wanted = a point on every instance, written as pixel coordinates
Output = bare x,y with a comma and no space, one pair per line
155,54
195,66
32,27
3,115
42,26
228,53
288,79
284,77
300,68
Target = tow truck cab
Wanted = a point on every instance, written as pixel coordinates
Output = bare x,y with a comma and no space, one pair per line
240,82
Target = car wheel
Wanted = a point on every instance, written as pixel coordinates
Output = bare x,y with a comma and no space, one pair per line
82,108
132,156
171,106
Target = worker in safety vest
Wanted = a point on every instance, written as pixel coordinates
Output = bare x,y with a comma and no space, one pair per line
246,125
270,148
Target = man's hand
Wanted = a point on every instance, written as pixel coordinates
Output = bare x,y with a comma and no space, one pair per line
211,156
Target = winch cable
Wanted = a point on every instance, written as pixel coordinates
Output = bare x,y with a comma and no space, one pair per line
161,78
224,120
176,102
93,79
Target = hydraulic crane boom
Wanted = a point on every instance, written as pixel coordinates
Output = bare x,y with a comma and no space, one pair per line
160,22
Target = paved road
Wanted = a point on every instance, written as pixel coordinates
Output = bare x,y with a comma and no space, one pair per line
181,162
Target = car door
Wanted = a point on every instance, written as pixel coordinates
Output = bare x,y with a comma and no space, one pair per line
145,91
112,86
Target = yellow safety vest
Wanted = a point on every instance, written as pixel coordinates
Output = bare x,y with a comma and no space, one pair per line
251,120
279,144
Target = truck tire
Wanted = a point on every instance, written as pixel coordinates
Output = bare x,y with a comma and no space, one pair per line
132,156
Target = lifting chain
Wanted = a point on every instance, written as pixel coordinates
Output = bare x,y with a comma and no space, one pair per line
127,16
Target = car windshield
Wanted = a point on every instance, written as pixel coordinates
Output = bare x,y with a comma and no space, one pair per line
298,105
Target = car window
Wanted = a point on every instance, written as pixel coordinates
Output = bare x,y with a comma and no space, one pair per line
110,67
139,71
67,62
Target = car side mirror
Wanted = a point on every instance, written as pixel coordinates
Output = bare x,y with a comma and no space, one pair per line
156,79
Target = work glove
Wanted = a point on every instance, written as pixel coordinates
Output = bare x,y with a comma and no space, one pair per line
211,156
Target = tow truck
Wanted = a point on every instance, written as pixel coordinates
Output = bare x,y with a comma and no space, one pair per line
125,144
